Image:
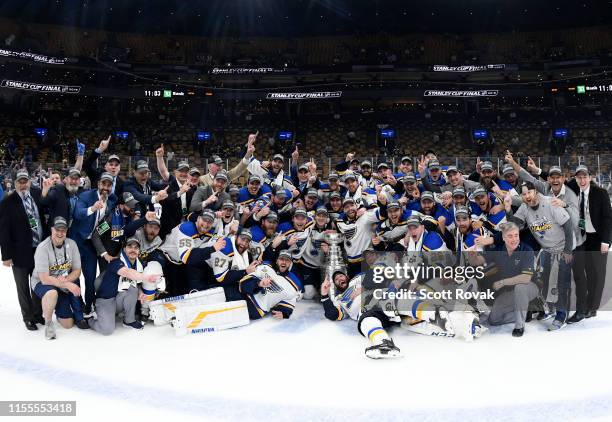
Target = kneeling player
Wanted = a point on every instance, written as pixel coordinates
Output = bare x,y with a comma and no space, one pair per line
272,290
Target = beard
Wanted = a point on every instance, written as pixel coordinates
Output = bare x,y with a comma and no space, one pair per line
72,189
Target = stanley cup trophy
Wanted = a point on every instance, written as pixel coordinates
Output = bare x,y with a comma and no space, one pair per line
335,258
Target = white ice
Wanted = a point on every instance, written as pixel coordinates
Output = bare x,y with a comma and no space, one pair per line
308,368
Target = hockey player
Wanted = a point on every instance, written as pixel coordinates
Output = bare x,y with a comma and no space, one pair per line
230,262
334,205
226,222
394,227
263,234
146,230
271,172
356,226
272,290
300,227
253,190
313,258
487,208
428,206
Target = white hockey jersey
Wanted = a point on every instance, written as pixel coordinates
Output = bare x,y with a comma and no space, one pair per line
182,239
358,233
228,259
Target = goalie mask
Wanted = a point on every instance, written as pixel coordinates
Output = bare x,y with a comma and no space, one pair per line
150,289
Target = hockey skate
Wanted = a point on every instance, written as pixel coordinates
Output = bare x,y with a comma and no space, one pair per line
385,350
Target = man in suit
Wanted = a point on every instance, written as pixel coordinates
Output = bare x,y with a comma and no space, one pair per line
60,200
92,208
211,196
112,166
175,210
595,224
142,188
23,228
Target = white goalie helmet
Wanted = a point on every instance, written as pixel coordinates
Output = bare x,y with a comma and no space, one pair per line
154,267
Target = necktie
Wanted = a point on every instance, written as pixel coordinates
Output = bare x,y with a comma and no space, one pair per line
33,219
114,183
582,214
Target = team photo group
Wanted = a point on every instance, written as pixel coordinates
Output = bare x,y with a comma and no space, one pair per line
98,245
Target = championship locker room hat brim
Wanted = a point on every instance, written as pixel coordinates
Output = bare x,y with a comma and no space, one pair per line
254,178
272,216
215,159
208,215
300,211
114,157
582,169
394,205
313,193
333,176
60,223
142,166
335,195
462,211
409,178
72,172
303,167
194,171
106,177
452,169
129,200
228,205
433,164
321,210
460,191
246,233
278,157
132,240
382,166
221,176
406,158
349,176
155,221
508,170
555,170
479,191
413,221
348,201
285,254
487,165
22,174
366,163
183,165
427,195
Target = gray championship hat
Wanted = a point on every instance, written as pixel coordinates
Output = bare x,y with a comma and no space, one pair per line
304,167
22,174
129,200
155,221
428,195
215,159
508,169
459,191
382,166
335,195
207,214
462,211
221,175
312,192
406,158
234,189
132,240
350,175
182,165
60,223
433,164
254,178
106,177
321,210
113,157
394,204
480,190
333,176
582,169
486,165
279,191
193,171
555,170
271,216
348,201
228,204
452,169
409,178
73,172
285,254
413,220
142,165
366,163
300,211
278,157
246,233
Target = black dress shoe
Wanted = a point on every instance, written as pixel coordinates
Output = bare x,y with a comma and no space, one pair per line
39,320
518,332
82,324
31,325
577,317
591,314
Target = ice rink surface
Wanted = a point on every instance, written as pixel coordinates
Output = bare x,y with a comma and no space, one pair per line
308,368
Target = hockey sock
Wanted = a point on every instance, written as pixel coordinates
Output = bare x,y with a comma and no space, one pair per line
372,328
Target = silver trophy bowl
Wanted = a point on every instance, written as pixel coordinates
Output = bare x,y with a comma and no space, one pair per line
335,258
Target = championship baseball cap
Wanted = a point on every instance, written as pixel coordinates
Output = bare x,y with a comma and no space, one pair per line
348,201
129,200
335,195
278,157
336,272
182,165
321,210
508,169
409,178
234,189
215,159
555,170
333,176
207,214
228,204
221,175
300,211
155,221
366,163
480,190
413,220
246,233
22,174
142,165
393,204
582,169
106,177
254,178
271,216
59,222
279,191
406,158
193,171
382,166
433,164
461,210
304,167
312,192
72,172
285,254
355,160
132,240
459,191
427,195
349,175
452,169
486,165
113,157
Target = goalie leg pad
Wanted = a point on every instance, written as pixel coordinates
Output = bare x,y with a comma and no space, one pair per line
163,310
210,318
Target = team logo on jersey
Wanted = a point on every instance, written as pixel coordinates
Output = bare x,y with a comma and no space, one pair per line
273,288
350,233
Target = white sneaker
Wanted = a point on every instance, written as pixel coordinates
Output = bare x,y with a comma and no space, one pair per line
49,330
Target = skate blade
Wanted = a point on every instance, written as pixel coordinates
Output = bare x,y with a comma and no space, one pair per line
391,354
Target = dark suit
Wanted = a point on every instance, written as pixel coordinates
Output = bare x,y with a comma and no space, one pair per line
94,173
82,227
16,244
57,202
144,197
172,210
589,263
